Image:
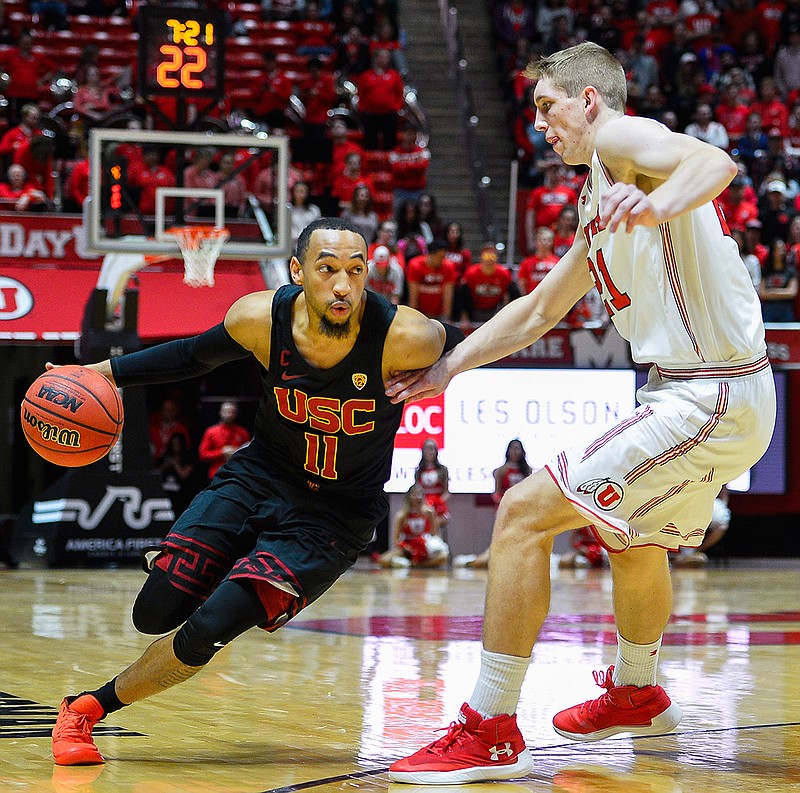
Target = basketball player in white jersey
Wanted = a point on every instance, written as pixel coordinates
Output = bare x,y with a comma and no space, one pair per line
654,243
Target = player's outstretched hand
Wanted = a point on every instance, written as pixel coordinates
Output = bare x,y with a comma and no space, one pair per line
418,383
104,367
626,203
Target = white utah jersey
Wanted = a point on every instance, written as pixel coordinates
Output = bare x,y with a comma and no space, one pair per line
679,293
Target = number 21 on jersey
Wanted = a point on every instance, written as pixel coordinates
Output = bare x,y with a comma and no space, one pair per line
614,299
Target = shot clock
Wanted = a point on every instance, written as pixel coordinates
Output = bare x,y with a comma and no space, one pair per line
181,51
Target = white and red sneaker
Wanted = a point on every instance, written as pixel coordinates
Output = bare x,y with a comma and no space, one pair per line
473,750
622,709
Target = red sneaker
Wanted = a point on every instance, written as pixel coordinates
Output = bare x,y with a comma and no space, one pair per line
474,749
640,711
72,735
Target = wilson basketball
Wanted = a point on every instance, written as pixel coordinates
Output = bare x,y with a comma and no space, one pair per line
71,416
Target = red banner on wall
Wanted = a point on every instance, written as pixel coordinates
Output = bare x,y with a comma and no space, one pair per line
47,276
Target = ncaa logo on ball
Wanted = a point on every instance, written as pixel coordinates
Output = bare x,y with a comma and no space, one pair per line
606,493
60,398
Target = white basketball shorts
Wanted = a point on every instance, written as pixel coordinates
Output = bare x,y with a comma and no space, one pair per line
652,479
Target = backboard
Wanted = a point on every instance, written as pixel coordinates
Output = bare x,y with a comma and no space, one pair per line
141,183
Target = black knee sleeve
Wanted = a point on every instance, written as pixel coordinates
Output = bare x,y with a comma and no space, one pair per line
232,609
160,607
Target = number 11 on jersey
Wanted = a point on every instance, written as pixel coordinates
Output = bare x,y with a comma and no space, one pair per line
330,445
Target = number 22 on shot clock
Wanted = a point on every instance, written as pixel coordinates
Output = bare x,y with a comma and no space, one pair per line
181,51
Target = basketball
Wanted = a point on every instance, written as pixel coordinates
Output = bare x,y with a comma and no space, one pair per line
71,416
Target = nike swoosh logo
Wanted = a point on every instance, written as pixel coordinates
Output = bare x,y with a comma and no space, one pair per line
285,376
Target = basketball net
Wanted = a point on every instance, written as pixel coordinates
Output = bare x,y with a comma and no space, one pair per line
200,247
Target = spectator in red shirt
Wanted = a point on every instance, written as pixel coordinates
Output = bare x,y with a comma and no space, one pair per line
533,268
752,236
272,91
485,289
23,132
19,192
352,53
318,94
385,276
456,253
768,23
431,282
165,423
76,188
147,176
409,164
385,38
28,73
93,99
232,185
564,231
701,26
220,441
732,112
36,157
380,99
737,18
349,179
546,202
387,237
315,34
738,211
341,146
200,175
772,108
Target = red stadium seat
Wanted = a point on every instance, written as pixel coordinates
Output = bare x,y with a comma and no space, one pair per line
278,44
288,62
19,21
115,57
244,62
246,11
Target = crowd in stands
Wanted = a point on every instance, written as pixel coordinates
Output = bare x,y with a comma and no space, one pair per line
330,77
724,71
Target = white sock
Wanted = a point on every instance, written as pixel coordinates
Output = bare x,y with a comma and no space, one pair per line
499,684
636,663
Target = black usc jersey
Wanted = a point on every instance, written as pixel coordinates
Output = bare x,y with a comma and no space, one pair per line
332,429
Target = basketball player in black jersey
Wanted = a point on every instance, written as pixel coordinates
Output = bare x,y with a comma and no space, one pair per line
288,514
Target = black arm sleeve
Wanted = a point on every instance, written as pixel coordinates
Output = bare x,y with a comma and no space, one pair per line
178,360
452,336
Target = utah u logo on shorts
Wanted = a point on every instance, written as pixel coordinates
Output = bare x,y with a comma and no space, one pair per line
606,493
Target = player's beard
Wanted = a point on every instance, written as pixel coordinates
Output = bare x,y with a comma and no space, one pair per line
334,330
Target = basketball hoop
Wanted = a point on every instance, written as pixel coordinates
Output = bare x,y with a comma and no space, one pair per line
200,247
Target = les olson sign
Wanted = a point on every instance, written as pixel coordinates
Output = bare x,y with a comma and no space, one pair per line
482,410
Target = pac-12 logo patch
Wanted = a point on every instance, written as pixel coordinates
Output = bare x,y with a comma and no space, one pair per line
606,493
359,380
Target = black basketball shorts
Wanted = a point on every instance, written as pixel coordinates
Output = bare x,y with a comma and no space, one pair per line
250,524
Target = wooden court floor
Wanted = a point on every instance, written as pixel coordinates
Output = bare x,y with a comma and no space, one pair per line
386,657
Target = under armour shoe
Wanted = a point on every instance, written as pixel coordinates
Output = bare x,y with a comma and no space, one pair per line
474,749
72,735
622,709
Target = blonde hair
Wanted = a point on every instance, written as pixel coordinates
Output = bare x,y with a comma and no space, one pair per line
573,69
